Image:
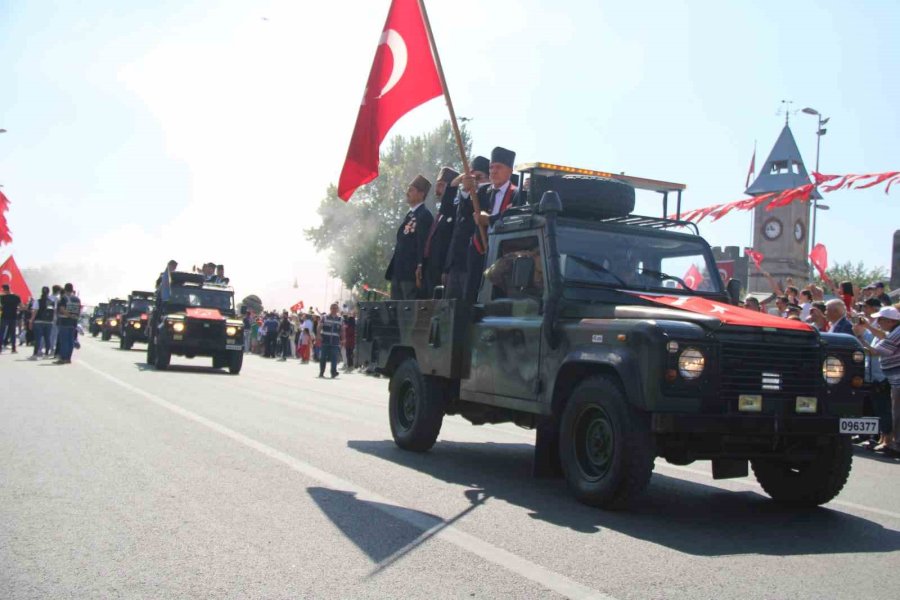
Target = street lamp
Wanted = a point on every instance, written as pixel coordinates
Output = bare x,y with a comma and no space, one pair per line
820,131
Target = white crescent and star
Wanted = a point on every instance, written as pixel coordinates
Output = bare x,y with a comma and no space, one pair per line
7,273
394,41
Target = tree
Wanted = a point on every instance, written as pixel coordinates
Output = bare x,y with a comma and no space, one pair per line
859,274
360,234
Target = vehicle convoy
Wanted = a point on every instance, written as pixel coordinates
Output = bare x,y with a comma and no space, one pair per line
614,337
136,320
112,322
196,319
97,316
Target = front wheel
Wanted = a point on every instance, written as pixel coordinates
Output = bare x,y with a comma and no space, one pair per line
106,336
809,483
163,357
416,408
605,445
235,362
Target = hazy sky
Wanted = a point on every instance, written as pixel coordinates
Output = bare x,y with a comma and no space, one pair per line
209,130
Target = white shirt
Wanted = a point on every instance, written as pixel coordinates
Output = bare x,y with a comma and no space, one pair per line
412,209
498,198
804,310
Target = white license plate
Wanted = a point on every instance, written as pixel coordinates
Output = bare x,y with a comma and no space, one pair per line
864,426
233,347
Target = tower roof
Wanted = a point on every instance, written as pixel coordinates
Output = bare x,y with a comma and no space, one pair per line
783,169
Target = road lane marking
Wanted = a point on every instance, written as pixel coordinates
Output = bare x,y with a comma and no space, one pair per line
754,484
426,523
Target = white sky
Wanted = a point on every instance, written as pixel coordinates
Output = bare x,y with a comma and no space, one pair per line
209,130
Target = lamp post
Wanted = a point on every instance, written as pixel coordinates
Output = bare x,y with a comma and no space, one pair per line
820,131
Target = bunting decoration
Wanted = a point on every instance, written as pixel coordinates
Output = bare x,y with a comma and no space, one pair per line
802,193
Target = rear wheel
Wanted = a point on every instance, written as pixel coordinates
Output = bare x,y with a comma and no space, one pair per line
235,362
809,483
416,408
605,445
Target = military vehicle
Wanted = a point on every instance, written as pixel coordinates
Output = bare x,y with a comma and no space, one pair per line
112,322
135,323
197,319
612,335
97,316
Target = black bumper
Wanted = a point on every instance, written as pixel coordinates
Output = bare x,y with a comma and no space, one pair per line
201,347
745,424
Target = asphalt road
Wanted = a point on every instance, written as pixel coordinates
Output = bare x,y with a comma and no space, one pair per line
118,481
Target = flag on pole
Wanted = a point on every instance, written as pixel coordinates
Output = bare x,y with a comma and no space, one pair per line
819,258
752,170
756,257
11,276
297,307
403,76
5,236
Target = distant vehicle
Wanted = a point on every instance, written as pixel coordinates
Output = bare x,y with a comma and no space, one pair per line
112,322
97,317
198,319
614,337
136,321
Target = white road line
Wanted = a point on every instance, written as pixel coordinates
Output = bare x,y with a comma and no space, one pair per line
753,484
520,566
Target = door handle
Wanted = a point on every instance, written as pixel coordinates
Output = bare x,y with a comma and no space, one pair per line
489,336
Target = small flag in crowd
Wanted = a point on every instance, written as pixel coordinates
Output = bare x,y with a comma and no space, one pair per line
756,257
819,258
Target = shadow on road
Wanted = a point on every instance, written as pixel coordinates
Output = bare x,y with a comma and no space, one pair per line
877,457
690,517
142,366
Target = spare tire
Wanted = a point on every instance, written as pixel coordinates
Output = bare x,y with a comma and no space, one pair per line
589,197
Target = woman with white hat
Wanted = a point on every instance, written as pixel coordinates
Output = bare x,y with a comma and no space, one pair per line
885,326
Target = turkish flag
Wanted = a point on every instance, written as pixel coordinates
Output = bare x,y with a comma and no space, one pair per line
297,307
726,269
819,258
5,237
693,278
756,257
403,76
11,276
731,315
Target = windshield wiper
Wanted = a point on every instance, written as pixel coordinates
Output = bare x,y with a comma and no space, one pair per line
664,276
596,267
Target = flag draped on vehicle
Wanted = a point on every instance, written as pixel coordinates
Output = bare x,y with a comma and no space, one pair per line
403,76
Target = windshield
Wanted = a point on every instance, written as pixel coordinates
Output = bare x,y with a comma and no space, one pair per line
637,260
139,306
116,309
197,297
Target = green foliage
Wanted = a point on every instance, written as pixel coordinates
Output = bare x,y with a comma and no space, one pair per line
360,234
859,274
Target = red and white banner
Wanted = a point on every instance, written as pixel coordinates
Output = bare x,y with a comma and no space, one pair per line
403,76
11,276
728,314
756,257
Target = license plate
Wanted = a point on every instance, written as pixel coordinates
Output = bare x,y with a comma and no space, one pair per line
233,347
867,425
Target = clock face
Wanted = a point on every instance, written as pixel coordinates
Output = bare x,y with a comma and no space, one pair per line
799,231
772,229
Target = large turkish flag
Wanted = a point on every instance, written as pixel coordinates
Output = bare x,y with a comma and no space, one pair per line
11,276
403,76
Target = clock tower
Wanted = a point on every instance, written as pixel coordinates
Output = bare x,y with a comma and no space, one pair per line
781,234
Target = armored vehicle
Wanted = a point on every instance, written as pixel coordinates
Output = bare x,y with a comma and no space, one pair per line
136,319
613,336
112,322
195,319
97,316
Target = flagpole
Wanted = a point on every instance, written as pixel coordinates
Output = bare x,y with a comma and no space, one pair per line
476,205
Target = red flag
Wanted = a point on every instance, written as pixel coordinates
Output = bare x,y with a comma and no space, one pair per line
10,275
693,278
297,307
726,313
819,258
403,76
726,269
752,170
756,257
5,236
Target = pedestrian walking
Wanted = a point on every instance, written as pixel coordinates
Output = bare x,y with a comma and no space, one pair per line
41,324
68,311
331,336
285,332
9,304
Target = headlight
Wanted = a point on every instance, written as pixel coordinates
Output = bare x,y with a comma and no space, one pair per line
136,324
178,327
231,331
98,321
113,322
832,370
691,363
859,356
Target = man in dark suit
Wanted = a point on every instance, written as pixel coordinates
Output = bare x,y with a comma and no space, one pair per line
406,270
494,199
438,241
454,276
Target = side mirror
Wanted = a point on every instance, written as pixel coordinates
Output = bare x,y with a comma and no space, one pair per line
522,272
733,287
438,293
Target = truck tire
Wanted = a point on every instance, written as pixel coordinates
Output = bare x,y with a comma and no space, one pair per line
219,361
416,408
235,362
151,352
605,445
593,198
163,357
105,336
807,484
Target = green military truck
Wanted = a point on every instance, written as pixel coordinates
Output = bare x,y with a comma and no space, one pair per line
135,321
97,317
112,322
613,336
196,319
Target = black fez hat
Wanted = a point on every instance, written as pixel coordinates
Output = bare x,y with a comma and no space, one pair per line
480,163
421,184
503,156
447,174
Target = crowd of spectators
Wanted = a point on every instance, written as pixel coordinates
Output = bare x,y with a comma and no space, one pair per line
48,324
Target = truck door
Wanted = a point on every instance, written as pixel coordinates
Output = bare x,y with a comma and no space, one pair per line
509,337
